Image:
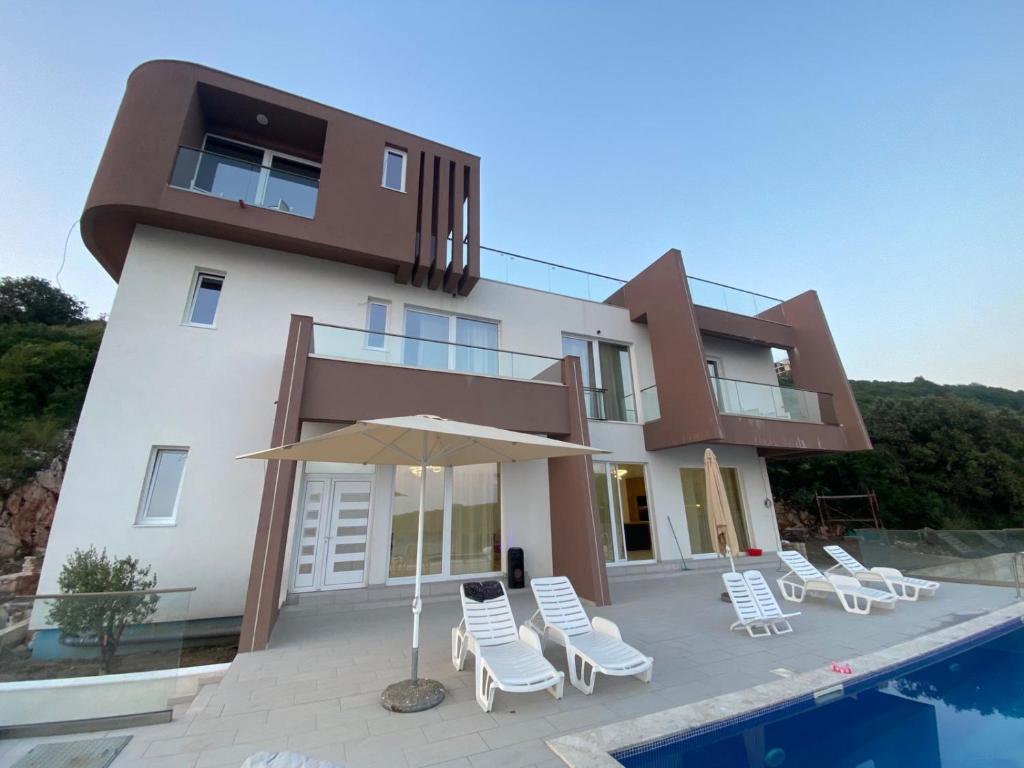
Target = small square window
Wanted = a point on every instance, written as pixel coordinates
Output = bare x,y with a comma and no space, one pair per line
394,169
160,493
376,325
202,305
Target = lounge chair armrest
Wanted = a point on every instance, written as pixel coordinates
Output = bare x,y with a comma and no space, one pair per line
529,636
888,573
606,627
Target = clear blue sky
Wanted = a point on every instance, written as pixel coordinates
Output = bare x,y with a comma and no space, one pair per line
871,150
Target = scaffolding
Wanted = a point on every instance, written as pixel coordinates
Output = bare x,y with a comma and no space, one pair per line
855,510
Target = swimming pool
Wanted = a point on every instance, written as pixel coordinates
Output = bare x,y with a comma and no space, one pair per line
954,709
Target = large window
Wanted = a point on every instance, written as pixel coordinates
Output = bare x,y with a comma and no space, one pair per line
607,377
204,298
162,486
462,521
450,342
696,500
234,170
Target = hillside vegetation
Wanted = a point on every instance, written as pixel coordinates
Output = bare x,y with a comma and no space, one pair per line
946,456
47,351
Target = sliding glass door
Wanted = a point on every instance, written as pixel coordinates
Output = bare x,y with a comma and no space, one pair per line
624,511
696,502
462,521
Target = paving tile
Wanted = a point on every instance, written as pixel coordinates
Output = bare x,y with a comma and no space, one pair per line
513,733
519,755
446,729
402,722
184,744
442,751
230,723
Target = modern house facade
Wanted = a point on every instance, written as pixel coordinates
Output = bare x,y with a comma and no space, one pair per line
285,268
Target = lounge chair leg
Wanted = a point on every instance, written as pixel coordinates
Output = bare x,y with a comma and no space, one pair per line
578,674
646,675
558,688
484,687
460,647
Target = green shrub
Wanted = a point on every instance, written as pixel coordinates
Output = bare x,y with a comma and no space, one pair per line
103,619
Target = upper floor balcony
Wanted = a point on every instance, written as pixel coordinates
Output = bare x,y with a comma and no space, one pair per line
201,151
353,373
770,401
253,175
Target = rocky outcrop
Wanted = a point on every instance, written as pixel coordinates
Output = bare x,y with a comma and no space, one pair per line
27,513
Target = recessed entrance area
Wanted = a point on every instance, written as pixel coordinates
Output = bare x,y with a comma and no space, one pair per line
625,511
333,529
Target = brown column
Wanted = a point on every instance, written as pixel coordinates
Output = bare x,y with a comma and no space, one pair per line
267,570
576,542
660,297
817,366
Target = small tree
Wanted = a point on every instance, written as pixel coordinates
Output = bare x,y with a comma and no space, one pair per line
102,618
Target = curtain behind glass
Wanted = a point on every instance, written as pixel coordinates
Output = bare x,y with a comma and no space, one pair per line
476,519
426,354
614,359
731,477
476,333
696,502
405,508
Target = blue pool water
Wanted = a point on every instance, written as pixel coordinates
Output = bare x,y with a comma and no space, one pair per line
963,710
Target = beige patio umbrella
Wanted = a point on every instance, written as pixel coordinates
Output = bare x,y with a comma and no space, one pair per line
723,532
421,441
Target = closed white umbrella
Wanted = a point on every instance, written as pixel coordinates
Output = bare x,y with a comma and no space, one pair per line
421,441
719,513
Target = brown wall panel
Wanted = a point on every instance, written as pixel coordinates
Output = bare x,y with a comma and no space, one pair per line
743,328
357,220
267,570
660,297
800,437
816,365
577,550
340,391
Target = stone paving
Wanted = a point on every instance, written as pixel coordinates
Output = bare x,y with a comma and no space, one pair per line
315,690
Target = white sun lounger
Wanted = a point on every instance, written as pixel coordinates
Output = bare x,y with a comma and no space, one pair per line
505,659
591,646
757,611
803,579
904,587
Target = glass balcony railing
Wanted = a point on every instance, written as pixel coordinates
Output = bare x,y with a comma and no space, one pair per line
603,405
261,186
650,403
718,296
412,352
511,268
523,271
769,401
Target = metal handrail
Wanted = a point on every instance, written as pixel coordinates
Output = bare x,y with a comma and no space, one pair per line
778,386
733,288
1018,572
251,164
619,279
107,594
434,341
553,264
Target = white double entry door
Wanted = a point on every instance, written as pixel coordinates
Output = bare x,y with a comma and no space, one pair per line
330,540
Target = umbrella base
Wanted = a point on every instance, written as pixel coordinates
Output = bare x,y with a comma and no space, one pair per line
412,695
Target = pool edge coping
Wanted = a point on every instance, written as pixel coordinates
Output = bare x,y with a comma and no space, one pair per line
592,748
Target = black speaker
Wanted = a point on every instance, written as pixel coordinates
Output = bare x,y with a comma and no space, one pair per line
516,569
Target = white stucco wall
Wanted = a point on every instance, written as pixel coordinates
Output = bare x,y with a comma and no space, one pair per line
159,382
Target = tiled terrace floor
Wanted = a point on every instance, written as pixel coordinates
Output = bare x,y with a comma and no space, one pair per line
315,691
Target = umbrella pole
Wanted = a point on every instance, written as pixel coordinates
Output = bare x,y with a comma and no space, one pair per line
417,602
